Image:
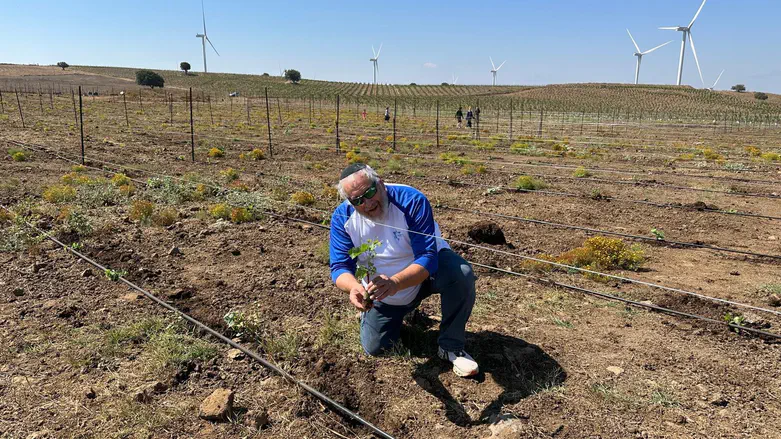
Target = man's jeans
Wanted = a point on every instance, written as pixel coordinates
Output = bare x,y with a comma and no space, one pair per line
454,281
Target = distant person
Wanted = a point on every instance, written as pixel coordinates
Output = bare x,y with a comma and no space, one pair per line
469,116
387,114
459,116
363,115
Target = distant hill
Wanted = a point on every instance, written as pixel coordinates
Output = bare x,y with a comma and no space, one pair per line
623,99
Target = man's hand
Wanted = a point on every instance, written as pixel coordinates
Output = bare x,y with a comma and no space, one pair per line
356,298
382,286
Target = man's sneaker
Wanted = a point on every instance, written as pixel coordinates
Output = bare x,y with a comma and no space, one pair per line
463,364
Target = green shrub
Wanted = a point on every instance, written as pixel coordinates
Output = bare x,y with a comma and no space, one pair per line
120,180
525,182
142,210
220,211
59,193
581,172
303,198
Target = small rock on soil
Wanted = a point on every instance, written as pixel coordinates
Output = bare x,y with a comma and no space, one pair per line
218,406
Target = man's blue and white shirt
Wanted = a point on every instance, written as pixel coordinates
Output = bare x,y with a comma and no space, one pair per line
408,211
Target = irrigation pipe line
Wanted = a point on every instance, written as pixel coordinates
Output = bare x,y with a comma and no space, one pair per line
457,183
639,172
482,247
252,354
605,232
666,242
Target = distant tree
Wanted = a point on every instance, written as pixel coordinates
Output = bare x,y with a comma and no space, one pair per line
444,83
184,65
63,65
412,83
759,95
293,75
740,88
265,74
149,78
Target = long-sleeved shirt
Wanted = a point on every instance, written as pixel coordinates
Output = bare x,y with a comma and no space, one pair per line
408,211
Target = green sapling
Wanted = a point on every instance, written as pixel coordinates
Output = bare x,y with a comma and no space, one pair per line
369,270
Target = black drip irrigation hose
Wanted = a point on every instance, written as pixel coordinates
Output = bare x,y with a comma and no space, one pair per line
457,183
605,232
503,252
587,291
664,242
312,391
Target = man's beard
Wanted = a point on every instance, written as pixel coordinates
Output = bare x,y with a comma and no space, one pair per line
383,210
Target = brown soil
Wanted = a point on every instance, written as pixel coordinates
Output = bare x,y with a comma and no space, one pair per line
544,352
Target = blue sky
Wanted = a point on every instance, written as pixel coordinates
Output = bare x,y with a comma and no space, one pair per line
544,41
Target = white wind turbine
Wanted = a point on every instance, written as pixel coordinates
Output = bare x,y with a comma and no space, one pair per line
204,38
687,32
495,69
717,81
639,54
374,61
455,79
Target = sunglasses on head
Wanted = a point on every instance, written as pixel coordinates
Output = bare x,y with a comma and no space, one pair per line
357,201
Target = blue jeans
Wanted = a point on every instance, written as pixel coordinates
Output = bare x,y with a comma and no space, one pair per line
454,281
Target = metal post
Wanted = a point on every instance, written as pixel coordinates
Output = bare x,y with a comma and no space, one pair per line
246,101
477,119
582,113
310,111
337,124
124,102
210,109
511,120
40,100
2,105
268,123
437,123
171,108
51,99
192,127
394,123
539,130
279,113
81,126
21,116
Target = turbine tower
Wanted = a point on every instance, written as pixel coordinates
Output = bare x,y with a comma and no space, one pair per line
687,32
374,61
717,81
639,54
495,69
204,38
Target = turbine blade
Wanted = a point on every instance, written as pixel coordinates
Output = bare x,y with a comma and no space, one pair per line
633,41
697,14
717,79
492,63
378,51
694,51
669,28
500,65
210,43
661,45
203,14
373,51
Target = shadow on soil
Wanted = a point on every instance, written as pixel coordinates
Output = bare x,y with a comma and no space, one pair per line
520,368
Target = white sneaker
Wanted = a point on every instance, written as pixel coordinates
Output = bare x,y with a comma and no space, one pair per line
463,364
